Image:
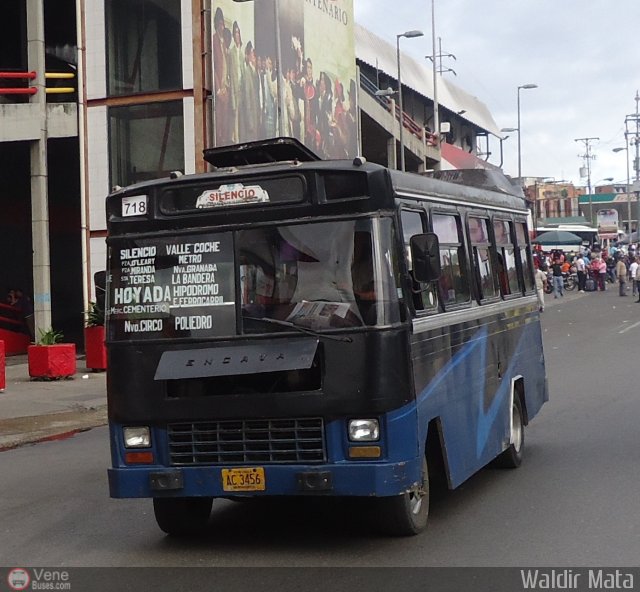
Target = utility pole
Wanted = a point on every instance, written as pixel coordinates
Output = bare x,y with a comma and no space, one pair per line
588,157
633,138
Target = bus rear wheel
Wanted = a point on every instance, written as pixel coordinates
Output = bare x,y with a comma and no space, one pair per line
406,514
511,458
179,516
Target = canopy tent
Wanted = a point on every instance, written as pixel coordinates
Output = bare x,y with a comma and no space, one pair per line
558,237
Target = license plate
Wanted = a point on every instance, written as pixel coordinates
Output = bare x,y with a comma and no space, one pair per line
249,479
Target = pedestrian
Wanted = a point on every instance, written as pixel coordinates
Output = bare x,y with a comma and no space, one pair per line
633,274
602,273
621,272
581,271
558,283
541,280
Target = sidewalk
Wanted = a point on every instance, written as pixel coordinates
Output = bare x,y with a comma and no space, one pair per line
33,411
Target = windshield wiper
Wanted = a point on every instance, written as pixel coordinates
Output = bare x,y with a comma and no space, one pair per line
306,330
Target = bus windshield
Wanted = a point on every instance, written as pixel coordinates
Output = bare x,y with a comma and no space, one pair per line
321,275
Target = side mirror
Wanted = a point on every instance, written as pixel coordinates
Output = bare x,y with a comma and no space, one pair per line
425,254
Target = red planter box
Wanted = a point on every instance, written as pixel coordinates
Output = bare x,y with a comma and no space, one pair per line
52,361
94,348
14,342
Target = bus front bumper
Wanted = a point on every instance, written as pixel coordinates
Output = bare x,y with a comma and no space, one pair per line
344,479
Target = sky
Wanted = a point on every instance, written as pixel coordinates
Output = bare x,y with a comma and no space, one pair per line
583,55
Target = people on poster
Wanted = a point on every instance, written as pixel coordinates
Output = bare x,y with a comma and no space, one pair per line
249,97
270,106
309,96
236,69
221,86
324,134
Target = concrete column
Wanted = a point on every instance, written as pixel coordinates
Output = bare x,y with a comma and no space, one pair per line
392,151
39,175
392,155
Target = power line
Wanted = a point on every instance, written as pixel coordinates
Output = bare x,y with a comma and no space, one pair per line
440,68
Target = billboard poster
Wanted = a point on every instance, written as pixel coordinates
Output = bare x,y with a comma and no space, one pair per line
286,68
607,223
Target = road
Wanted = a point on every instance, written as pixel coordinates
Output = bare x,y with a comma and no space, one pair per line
573,502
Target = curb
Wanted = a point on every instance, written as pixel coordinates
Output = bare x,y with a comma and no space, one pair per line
20,431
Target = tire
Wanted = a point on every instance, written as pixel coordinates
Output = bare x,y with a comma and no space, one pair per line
570,284
548,287
181,516
406,514
511,458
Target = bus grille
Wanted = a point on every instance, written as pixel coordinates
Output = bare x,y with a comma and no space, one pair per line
247,441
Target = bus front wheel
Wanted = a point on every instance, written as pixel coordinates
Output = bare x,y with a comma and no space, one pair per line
180,516
406,514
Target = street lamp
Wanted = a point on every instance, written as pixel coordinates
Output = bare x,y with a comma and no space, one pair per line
626,149
408,35
525,87
518,128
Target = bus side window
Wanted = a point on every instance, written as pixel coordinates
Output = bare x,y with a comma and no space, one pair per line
506,258
486,279
453,284
423,295
524,254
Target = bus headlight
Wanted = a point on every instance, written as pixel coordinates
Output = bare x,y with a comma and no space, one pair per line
364,430
137,437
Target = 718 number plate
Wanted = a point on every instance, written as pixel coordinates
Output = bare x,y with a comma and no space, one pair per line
245,479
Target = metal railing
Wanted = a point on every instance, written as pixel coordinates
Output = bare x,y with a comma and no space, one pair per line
32,90
409,123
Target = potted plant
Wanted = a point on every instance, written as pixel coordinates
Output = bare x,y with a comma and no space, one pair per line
49,358
94,346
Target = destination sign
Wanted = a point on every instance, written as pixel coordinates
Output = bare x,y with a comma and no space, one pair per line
169,288
228,195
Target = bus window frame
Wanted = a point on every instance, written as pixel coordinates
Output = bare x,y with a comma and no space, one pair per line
528,254
463,244
490,244
434,308
501,217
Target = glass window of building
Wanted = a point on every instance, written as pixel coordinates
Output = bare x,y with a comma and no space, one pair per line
144,46
146,141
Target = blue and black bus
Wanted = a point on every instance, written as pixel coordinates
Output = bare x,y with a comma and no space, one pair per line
286,326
